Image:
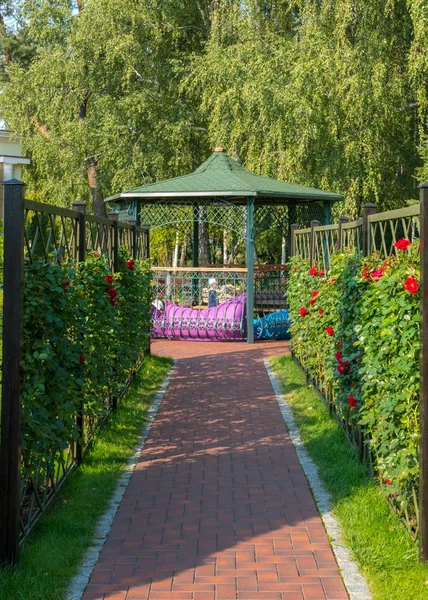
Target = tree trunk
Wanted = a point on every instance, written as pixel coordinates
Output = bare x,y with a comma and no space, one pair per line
97,197
183,251
176,247
204,241
225,241
284,246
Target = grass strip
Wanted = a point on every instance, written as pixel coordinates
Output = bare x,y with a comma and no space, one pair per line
51,557
381,546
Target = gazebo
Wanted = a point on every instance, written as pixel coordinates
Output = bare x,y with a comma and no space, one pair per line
222,195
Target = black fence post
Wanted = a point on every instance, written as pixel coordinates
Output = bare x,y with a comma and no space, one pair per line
80,207
114,216
146,250
423,461
293,229
134,253
368,209
13,298
342,220
312,242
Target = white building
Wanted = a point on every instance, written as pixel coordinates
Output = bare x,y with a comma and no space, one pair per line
10,160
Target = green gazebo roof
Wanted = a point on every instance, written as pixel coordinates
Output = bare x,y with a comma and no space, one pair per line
223,176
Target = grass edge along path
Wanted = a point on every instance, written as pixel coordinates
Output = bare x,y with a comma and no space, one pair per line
51,557
384,551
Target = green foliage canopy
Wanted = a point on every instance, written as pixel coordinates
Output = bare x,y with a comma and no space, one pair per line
108,94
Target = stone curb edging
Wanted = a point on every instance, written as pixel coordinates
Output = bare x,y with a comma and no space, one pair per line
77,587
355,583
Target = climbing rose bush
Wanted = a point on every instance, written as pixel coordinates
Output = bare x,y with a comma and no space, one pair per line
359,342
85,331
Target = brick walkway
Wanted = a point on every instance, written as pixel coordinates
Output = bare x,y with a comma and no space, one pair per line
218,507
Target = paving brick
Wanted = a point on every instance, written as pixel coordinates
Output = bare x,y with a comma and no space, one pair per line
218,507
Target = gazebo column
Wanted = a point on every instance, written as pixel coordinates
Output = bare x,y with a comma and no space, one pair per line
249,258
327,212
195,239
195,252
291,220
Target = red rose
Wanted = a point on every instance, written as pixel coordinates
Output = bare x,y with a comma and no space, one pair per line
130,264
112,292
109,278
312,302
364,273
388,481
329,330
315,293
65,285
378,274
303,311
339,356
411,285
95,255
321,273
344,368
352,401
339,343
295,269
320,311
313,271
402,244
82,358
112,302
333,280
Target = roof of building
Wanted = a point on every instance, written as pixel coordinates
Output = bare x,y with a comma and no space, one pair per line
221,175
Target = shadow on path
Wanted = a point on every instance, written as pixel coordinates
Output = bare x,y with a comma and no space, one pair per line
218,507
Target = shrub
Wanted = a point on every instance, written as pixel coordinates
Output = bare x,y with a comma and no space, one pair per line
358,338
85,330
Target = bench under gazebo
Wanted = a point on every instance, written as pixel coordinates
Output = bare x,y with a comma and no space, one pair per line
211,293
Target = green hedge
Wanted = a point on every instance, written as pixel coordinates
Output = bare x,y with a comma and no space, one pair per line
85,331
356,331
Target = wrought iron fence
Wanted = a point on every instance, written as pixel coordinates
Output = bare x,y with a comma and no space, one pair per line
325,243
301,242
352,235
39,233
373,233
54,234
388,227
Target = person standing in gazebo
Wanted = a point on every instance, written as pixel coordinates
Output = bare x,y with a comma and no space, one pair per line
212,293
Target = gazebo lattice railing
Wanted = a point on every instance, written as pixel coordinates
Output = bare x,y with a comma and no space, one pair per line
222,201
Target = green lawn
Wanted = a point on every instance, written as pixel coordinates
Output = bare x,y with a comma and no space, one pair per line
51,557
381,546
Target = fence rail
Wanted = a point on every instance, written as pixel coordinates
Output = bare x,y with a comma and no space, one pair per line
44,234
374,232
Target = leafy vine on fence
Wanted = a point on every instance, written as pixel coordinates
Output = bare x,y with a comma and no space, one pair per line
85,331
356,332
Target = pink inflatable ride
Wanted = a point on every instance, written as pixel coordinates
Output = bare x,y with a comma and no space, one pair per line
227,321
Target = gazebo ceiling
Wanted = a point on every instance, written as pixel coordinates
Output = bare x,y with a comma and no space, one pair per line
222,176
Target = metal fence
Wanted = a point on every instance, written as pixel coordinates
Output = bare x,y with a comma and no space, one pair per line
374,232
35,232
54,234
377,233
